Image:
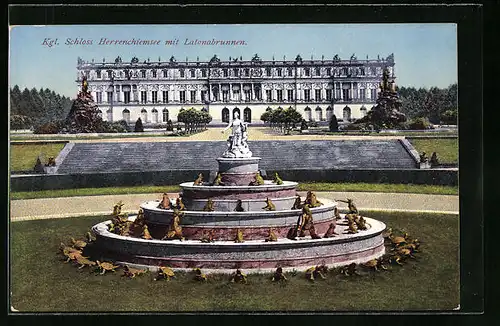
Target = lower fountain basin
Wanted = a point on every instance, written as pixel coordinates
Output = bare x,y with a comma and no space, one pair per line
253,255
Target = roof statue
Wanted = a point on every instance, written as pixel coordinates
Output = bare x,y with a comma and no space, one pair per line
134,60
172,60
214,60
353,57
336,58
118,59
298,58
256,58
80,61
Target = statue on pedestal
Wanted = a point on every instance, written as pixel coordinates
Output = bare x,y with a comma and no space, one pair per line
237,141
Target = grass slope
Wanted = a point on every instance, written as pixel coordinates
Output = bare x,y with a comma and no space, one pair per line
23,157
445,148
41,281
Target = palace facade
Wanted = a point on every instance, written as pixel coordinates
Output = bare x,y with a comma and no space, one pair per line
156,91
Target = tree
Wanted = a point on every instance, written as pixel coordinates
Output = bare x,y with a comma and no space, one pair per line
334,124
138,126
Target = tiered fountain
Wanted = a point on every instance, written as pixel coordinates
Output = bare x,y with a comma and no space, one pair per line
238,170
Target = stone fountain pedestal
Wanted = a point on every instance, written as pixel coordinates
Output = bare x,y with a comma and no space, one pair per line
238,171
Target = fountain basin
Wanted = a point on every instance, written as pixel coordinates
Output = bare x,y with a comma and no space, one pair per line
253,254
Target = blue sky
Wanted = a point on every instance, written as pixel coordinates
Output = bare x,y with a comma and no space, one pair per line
425,54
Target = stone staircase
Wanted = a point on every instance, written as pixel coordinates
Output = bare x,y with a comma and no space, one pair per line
276,155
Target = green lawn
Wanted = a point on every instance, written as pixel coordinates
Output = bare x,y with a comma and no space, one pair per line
320,186
445,148
41,281
23,156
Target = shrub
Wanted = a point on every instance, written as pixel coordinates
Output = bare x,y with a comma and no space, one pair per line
303,125
334,125
354,126
419,124
138,126
20,122
449,117
51,127
170,125
312,124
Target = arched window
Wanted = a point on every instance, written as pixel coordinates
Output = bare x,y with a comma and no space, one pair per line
154,114
362,111
319,114
109,115
247,115
307,114
237,110
165,74
144,115
346,114
165,115
290,71
329,113
225,115
126,115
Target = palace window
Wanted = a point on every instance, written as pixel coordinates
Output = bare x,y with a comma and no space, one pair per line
362,94
225,72
98,96
328,94
279,72
236,72
126,97
204,95
247,115
182,95
258,94
373,94
225,95
344,71
268,72
165,96
154,96
144,115
279,95
307,94
290,71
225,115
154,114
165,73
181,71
98,73
143,73
204,73
110,74
144,97
193,74
110,97
237,94
126,115
248,95
193,96
328,71
362,71
354,93
247,72
317,94
269,95
165,115
290,95
154,73
317,71
307,71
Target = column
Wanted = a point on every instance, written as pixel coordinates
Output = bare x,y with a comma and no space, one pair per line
341,92
198,94
323,93
351,95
